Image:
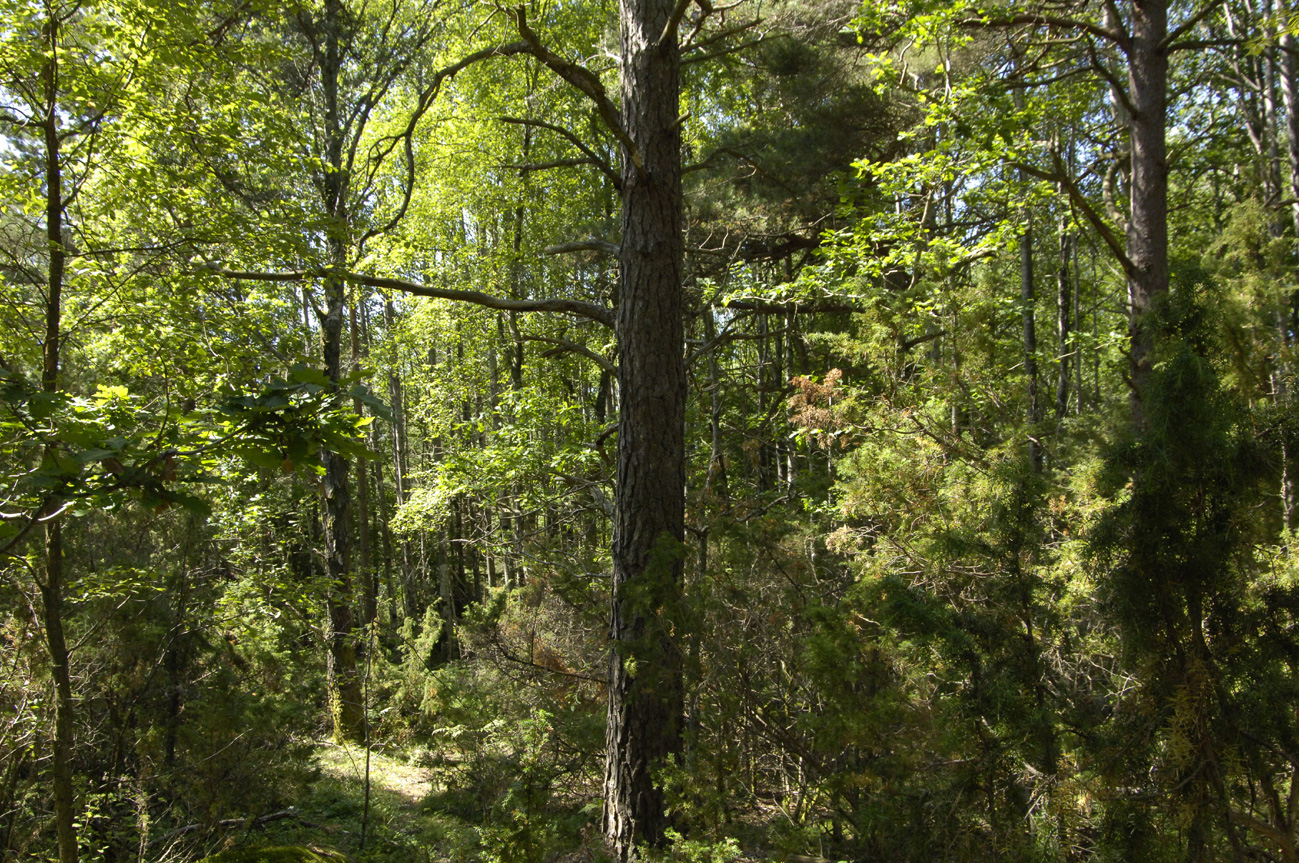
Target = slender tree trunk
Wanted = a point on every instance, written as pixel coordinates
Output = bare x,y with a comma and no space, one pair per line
1028,297
1272,145
1289,57
715,485
385,531
400,457
52,602
1064,312
645,688
51,588
344,680
369,580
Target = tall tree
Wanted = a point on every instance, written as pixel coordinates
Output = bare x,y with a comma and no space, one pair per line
645,684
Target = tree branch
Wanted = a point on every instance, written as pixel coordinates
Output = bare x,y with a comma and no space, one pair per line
674,21
590,311
1202,44
810,307
1167,44
604,167
1054,21
1119,91
584,80
691,59
714,38
1075,194
584,246
381,148
553,163
602,362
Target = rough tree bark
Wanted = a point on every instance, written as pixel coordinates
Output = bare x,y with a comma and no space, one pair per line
645,687
1147,233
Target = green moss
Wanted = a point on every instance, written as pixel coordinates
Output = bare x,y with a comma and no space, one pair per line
277,854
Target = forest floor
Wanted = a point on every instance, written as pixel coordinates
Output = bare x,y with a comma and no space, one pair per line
399,825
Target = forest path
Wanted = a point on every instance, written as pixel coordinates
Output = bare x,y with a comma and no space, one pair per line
400,827
392,781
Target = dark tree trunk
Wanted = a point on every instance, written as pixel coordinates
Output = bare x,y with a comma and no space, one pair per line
344,681
52,603
645,687
1147,233
52,587
369,580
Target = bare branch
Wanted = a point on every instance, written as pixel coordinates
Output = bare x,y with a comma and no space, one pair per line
1057,22
12,120
584,80
1168,43
604,167
380,150
721,52
1060,176
674,21
714,38
584,246
573,347
1202,44
546,166
810,307
1117,88
590,311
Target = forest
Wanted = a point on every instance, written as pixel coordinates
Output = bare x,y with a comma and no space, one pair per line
663,431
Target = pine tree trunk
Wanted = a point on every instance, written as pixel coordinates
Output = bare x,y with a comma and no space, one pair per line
645,687
1147,233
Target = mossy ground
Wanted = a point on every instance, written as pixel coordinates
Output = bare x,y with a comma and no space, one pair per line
400,826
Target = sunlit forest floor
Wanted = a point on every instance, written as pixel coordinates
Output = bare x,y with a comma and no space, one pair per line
401,823
421,808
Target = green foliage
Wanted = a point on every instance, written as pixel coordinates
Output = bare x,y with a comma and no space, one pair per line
906,634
